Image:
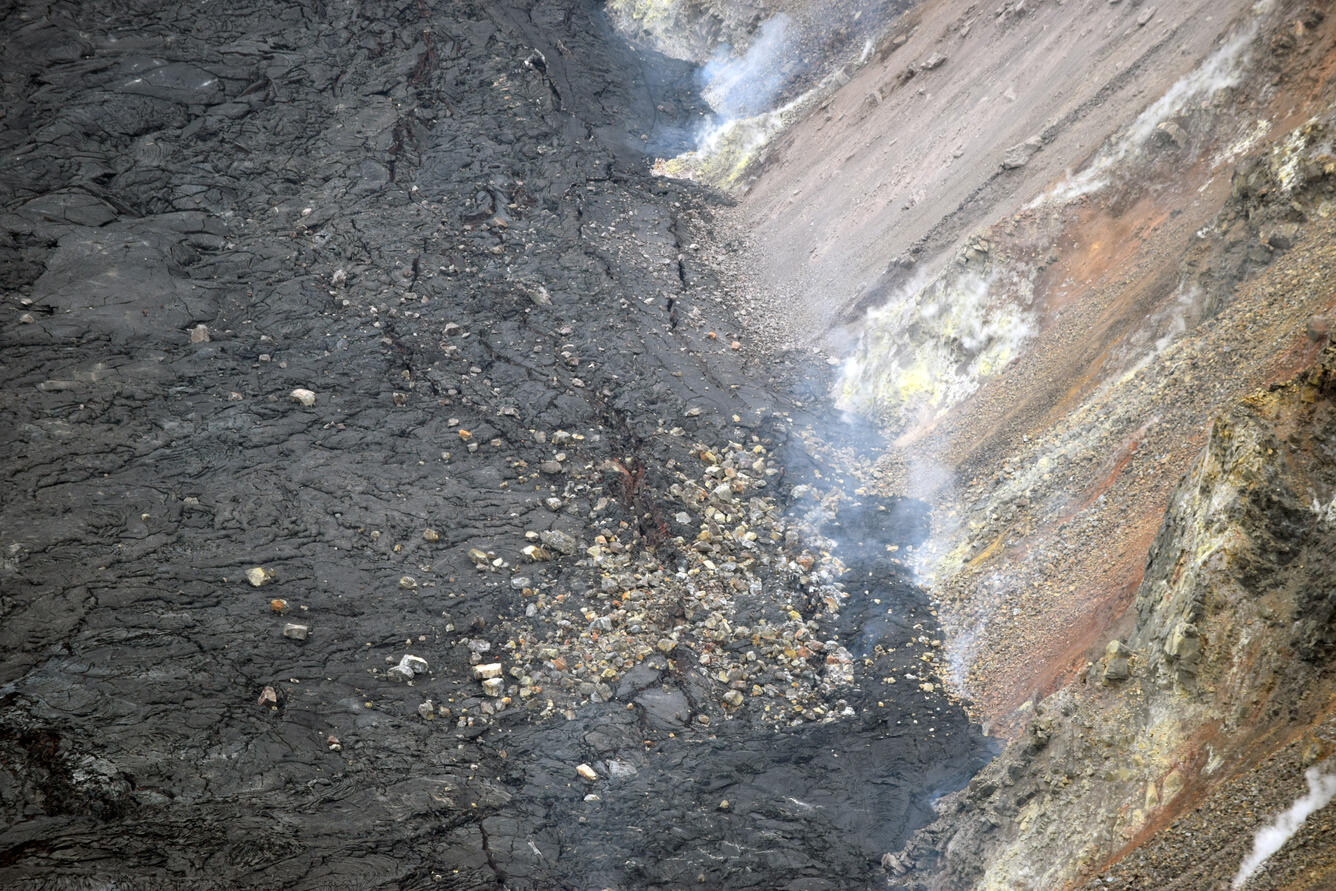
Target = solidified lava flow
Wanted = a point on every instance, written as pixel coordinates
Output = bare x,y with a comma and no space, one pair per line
391,500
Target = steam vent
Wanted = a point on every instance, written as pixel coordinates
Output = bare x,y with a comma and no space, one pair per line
642,445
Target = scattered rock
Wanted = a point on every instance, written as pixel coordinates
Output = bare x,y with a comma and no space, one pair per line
303,396
1169,132
296,632
1319,327
199,334
586,772
561,542
258,576
890,862
538,294
409,667
535,554
1019,155
269,697
1116,668
620,770
1279,236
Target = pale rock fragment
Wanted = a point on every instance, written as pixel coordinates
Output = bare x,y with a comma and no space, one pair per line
486,671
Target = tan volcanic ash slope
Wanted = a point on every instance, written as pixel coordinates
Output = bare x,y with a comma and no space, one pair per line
1059,344
906,160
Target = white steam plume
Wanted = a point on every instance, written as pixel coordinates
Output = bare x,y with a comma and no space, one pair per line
930,481
932,343
1271,838
743,86
1222,69
746,85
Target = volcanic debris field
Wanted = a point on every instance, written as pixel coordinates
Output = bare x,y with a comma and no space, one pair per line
391,498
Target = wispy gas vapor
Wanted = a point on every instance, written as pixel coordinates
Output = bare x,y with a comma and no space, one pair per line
932,344
1221,70
931,482
745,85
741,87
1271,838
